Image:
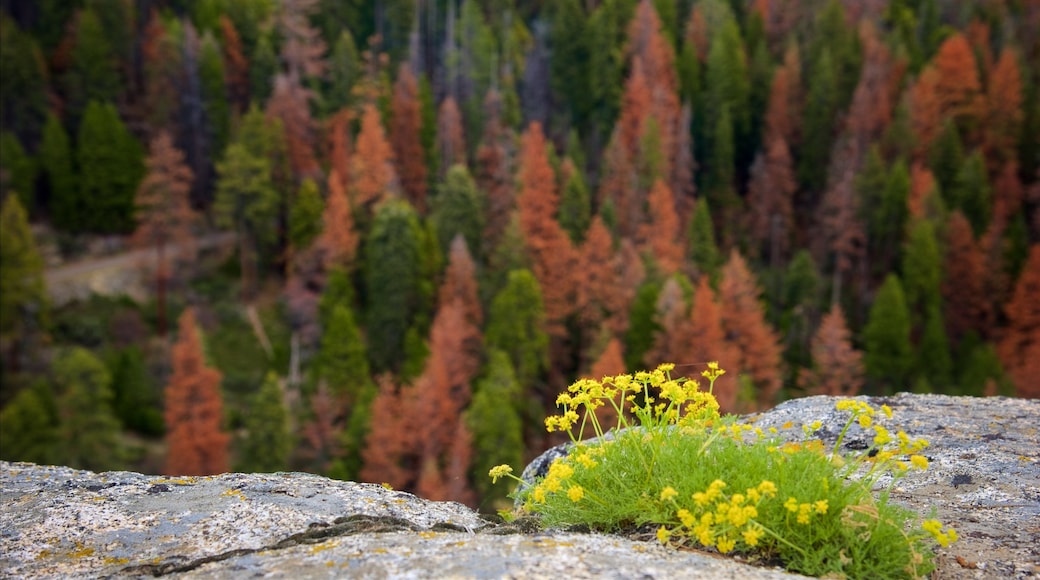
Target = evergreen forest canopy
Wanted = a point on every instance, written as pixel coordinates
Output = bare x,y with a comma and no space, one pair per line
446,211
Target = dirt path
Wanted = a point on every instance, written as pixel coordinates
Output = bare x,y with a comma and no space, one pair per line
112,275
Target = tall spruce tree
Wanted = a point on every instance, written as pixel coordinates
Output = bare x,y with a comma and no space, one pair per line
886,338
516,326
92,74
55,159
111,163
23,93
17,171
267,441
496,427
88,430
457,210
23,296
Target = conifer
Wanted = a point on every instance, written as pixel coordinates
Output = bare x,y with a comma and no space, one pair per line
837,367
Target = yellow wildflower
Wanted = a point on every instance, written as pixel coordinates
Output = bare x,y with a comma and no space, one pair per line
668,493
865,421
663,534
820,506
499,471
767,488
726,545
791,504
686,518
575,493
751,536
887,411
919,461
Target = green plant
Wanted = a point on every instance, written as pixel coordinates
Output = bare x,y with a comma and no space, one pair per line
708,480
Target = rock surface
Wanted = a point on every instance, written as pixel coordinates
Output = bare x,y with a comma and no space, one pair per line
57,522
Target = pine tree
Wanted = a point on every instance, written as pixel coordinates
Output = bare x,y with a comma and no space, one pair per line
728,89
921,270
404,135
967,304
1020,346
947,158
821,106
516,326
55,158
88,430
194,414
247,201
392,281
290,104
886,338
496,426
457,210
770,199
1004,114
575,205
672,319
163,70
371,172
743,318
305,214
451,137
460,283
344,70
216,107
492,170
135,395
92,73
601,283
934,349
267,441
662,232
17,170
958,87
28,427
707,342
23,94
569,72
264,67
837,367
164,214
236,65
23,296
338,240
110,162
971,193
390,438
703,250
342,360
886,216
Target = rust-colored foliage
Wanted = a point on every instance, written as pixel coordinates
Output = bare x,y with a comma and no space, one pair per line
783,111
196,443
161,59
390,438
451,139
647,44
338,143
493,174
779,18
874,98
1019,348
1008,194
338,241
600,291
290,104
922,190
926,114
770,199
236,66
635,106
550,248
618,186
837,367
662,232
965,298
708,342
460,282
1003,109
841,233
957,88
164,214
744,320
682,182
372,170
696,32
404,135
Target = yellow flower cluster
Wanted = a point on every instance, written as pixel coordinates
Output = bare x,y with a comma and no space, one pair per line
718,519
934,527
864,414
499,471
559,472
678,402
805,510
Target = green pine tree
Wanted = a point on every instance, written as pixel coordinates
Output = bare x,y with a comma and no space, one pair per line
393,278
92,74
263,65
607,33
23,92
17,171
342,360
922,270
29,427
214,94
23,296
887,215
135,396
971,193
267,441
888,355
339,291
111,164
55,158
457,209
496,427
801,308
305,215
88,430
979,364
719,181
642,326
946,157
703,249
344,70
516,326
568,69
934,350
575,212
821,106
727,82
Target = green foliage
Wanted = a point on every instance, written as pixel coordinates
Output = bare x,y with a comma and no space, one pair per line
393,275
946,158
17,170
88,430
703,250
92,74
28,427
516,326
922,269
978,364
607,35
934,350
886,337
568,69
23,92
23,296
801,305
457,210
111,164
887,214
214,93
575,212
495,425
642,325
821,106
727,84
342,361
719,180
55,159
267,441
972,195
344,71
352,438
263,65
135,395
339,291
305,215
246,198
709,480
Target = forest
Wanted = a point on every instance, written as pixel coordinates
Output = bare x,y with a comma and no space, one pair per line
446,211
